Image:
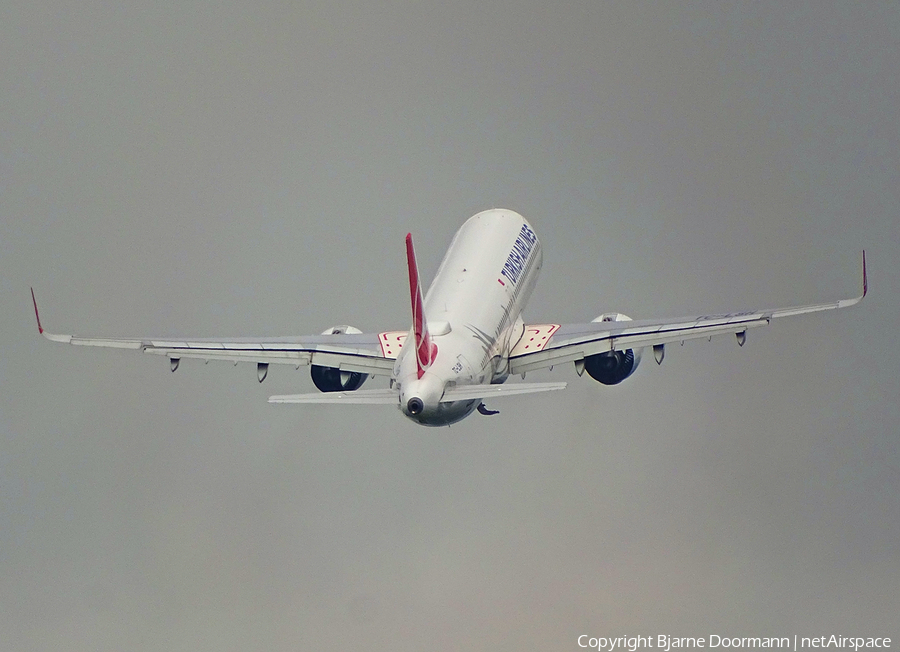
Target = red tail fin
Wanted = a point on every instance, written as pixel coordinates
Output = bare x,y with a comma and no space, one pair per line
426,350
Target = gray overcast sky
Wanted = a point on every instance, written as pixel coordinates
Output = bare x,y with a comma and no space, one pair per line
202,168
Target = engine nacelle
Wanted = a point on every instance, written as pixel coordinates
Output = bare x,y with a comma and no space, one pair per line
332,379
612,367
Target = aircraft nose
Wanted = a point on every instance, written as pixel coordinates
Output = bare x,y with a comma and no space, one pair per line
415,405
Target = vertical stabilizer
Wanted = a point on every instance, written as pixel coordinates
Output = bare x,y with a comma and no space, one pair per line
426,350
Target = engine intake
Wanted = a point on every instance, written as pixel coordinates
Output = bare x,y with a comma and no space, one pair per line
612,367
332,379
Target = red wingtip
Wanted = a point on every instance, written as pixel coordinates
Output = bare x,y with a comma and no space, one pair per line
37,316
865,277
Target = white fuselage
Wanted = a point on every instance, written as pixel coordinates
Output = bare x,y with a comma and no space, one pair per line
473,309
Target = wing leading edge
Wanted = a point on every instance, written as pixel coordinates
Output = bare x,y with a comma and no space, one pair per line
573,342
349,352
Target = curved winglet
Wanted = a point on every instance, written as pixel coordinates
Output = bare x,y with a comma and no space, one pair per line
865,277
66,339
36,315
844,303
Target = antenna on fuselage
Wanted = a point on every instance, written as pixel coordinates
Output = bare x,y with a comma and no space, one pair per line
426,349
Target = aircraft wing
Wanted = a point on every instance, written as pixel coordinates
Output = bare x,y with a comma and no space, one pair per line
362,353
545,345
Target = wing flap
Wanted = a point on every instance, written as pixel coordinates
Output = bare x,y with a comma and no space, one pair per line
664,335
94,341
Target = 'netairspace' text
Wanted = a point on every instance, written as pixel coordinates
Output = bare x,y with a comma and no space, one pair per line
665,642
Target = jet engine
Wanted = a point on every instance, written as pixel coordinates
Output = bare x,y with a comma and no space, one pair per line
612,367
332,379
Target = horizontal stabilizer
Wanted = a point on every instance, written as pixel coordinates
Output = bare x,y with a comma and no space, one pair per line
359,397
467,392
391,396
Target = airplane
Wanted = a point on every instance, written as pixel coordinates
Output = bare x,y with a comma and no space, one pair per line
467,335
